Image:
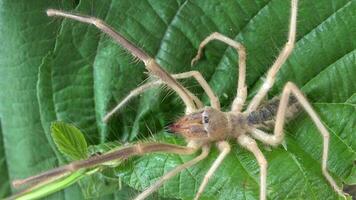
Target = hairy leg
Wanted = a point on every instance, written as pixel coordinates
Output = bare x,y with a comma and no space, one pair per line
172,173
241,86
139,90
278,135
287,50
120,154
214,101
266,138
224,149
251,145
151,65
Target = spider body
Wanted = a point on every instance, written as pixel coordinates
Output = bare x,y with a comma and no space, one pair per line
209,125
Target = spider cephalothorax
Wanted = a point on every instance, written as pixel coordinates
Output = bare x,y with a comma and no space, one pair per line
207,124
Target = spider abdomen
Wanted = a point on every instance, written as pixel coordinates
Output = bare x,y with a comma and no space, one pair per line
269,111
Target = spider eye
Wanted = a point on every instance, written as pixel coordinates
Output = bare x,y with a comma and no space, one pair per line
205,119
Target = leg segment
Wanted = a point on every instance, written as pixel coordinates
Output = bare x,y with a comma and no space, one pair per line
151,65
289,89
175,171
139,90
214,101
120,154
287,50
266,138
241,86
251,145
224,149
133,93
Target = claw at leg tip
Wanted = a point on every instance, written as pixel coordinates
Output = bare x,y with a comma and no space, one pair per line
194,60
105,119
192,63
50,12
16,183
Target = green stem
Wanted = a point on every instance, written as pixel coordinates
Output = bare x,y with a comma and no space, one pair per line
50,188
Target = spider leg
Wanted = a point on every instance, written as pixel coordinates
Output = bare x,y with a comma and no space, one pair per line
224,149
266,138
120,154
287,50
151,65
291,88
214,101
251,145
133,93
241,86
172,173
139,90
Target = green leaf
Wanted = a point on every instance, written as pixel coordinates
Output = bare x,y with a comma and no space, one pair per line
26,37
69,140
87,74
351,180
317,73
5,189
70,95
352,99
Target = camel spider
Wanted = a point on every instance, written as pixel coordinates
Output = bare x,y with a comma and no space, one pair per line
204,126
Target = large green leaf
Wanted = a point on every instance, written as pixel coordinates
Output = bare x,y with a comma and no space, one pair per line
26,36
86,74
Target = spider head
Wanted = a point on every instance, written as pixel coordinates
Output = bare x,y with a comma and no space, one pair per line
207,124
